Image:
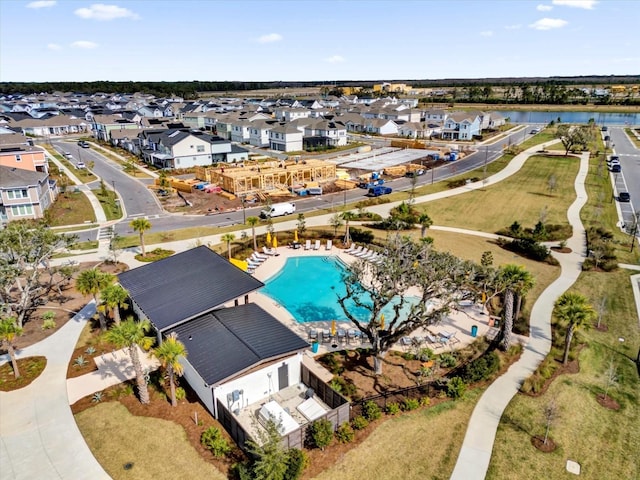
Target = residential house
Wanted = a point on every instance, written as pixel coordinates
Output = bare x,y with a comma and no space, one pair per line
240,131
285,138
52,125
17,151
381,126
103,125
435,115
24,194
325,133
418,130
259,132
461,126
496,121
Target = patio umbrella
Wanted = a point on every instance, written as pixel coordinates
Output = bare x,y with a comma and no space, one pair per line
275,242
268,238
333,328
295,236
382,322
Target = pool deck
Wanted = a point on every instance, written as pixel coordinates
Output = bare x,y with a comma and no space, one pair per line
459,321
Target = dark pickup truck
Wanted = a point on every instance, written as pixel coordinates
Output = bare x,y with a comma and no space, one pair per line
379,190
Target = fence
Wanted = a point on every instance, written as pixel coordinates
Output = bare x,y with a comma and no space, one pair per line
429,389
338,413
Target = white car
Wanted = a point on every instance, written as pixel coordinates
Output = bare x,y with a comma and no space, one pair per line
80,165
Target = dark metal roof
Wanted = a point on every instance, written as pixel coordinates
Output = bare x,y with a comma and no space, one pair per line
227,342
185,285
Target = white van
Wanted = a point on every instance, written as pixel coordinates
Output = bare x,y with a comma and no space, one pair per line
278,209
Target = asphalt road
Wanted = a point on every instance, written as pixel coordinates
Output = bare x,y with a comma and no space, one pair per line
140,201
629,178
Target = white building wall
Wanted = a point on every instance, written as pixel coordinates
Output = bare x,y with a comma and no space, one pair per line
198,385
257,385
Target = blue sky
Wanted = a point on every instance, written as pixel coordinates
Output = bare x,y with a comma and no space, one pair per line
264,40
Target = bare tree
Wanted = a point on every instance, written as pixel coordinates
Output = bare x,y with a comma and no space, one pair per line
552,183
602,309
551,415
610,377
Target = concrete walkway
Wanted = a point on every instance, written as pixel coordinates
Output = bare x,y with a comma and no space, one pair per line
39,438
475,454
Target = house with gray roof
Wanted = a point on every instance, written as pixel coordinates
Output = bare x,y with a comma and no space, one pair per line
24,194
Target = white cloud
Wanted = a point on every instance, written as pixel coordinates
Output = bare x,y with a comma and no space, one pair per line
513,27
270,38
548,24
41,4
335,59
100,11
85,44
54,46
586,4
544,8
486,33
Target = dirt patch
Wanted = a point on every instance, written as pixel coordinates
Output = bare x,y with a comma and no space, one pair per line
607,402
82,359
601,328
63,306
30,368
538,442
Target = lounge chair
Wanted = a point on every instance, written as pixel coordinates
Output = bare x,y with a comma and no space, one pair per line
351,248
252,264
353,334
342,335
268,251
406,343
316,246
362,253
368,256
254,258
433,341
307,245
329,245
259,255
356,251
313,335
326,336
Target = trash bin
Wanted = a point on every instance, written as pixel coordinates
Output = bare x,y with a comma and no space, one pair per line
474,331
314,347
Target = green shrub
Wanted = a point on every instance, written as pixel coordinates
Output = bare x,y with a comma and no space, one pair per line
361,236
297,461
408,356
331,362
410,404
181,394
212,439
447,360
321,434
425,354
481,368
359,423
80,361
392,408
345,433
48,324
371,411
425,401
343,386
154,255
456,387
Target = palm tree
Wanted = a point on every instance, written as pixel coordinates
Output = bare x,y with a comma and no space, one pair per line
9,330
169,353
114,297
141,225
228,238
253,221
514,278
574,309
92,282
425,222
131,335
347,217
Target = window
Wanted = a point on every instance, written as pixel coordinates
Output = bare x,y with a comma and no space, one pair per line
21,210
200,148
16,194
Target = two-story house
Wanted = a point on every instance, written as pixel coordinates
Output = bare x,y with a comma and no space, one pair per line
24,194
285,138
17,151
325,133
461,126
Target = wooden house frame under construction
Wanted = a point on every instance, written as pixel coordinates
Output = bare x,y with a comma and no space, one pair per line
268,177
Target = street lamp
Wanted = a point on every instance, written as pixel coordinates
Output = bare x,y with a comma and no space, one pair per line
244,213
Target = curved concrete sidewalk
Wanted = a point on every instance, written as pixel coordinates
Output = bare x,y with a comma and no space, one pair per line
475,454
39,438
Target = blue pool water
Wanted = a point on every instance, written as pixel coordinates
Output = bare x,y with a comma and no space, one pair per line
308,287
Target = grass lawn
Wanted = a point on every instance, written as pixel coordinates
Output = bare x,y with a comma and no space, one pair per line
419,445
71,208
521,197
107,199
157,448
633,138
604,442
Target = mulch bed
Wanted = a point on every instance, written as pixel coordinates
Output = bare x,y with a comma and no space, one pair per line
561,249
538,442
30,368
570,368
607,402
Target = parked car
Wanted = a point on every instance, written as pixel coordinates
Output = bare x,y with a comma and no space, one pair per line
414,173
379,190
624,197
535,130
613,158
83,144
67,155
615,168
80,165
604,128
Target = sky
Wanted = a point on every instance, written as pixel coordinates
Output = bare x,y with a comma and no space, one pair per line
315,40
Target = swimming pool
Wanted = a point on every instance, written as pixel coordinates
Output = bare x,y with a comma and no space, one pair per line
308,287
